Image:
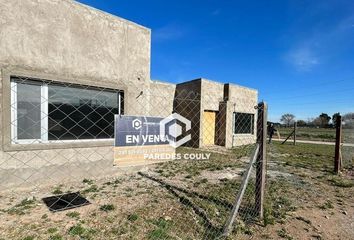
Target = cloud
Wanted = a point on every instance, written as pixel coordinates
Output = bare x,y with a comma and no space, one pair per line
321,45
168,32
303,58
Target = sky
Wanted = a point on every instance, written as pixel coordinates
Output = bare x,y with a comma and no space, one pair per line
299,54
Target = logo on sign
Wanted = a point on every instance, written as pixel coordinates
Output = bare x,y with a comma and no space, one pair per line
172,127
136,124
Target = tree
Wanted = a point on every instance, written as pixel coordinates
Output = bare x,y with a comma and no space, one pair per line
334,118
301,123
348,116
287,119
348,120
324,119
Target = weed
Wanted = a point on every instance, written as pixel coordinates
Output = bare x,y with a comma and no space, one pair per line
341,182
161,232
56,237
57,190
52,230
73,214
20,209
107,207
133,217
91,189
87,181
28,238
283,234
204,180
327,205
268,218
77,230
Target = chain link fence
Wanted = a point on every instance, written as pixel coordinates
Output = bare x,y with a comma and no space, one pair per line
348,143
62,174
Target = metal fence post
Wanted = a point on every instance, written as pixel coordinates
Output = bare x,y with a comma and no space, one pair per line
337,156
261,157
295,132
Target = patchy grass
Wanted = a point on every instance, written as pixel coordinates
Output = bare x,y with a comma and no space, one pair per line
284,234
91,189
77,230
52,230
58,190
161,230
29,238
133,217
327,205
313,134
23,207
278,202
87,181
107,207
73,215
56,237
339,181
310,156
188,202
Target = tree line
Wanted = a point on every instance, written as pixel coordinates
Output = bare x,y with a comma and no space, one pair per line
323,120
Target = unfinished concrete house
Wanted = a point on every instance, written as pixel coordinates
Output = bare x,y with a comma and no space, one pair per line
67,69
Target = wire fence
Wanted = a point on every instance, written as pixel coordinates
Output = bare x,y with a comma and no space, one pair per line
348,144
90,161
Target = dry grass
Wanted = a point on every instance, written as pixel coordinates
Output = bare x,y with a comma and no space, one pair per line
192,199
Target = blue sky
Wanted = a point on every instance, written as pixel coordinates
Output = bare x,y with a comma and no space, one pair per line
299,54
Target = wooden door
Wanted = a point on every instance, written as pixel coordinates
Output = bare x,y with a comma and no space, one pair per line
209,127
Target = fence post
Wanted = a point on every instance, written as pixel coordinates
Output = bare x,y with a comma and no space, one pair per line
261,157
295,131
337,155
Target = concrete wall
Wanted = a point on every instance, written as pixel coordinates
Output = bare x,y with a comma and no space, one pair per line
65,41
212,93
224,99
161,96
212,96
69,39
243,100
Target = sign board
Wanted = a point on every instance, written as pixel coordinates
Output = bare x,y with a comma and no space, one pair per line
135,138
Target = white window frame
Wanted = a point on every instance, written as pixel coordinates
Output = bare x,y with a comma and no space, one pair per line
44,119
14,120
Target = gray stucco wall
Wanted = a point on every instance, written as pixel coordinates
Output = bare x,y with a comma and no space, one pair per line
243,100
69,39
66,41
161,96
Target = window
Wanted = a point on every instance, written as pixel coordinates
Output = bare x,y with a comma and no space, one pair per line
44,111
243,123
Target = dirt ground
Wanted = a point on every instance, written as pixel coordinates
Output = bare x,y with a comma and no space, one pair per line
192,200
322,205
